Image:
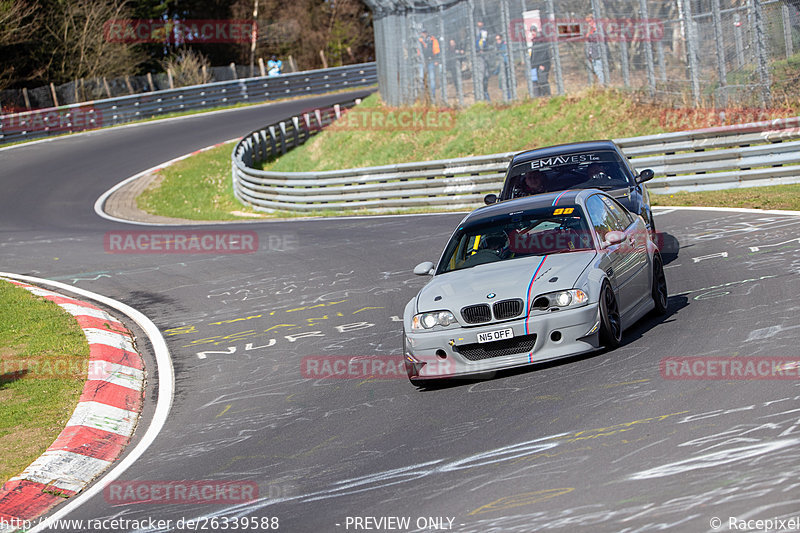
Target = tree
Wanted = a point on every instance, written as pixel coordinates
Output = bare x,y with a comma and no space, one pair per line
19,21
302,28
77,46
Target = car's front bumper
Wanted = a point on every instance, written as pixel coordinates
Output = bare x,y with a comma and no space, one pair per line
443,353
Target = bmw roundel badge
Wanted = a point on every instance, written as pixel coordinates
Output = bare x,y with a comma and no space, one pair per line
491,295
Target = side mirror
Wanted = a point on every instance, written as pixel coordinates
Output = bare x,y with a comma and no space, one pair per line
490,199
612,238
424,269
644,175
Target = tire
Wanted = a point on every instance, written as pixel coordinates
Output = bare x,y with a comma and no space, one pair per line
610,321
659,286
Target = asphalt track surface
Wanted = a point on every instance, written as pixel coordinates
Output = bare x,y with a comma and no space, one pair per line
596,443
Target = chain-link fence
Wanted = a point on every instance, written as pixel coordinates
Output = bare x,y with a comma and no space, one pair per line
690,52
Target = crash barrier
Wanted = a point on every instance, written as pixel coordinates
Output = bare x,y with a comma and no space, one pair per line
112,111
759,153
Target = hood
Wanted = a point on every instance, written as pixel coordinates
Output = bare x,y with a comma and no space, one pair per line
623,196
506,279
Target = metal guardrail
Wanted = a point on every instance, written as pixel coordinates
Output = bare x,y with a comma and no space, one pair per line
761,153
112,111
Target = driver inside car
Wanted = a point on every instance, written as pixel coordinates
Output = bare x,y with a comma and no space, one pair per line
493,247
598,171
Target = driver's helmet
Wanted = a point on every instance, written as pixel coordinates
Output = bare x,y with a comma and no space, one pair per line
597,171
497,242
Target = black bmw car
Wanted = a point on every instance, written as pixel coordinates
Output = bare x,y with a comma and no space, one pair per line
585,165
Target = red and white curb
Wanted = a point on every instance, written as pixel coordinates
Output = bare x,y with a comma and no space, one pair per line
101,425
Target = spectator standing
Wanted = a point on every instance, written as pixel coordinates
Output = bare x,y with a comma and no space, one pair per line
540,64
484,66
431,54
455,57
274,66
501,68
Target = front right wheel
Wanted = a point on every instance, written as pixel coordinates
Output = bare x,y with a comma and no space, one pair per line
610,321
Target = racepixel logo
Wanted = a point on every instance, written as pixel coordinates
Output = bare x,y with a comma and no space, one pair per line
181,242
179,31
52,119
730,368
180,492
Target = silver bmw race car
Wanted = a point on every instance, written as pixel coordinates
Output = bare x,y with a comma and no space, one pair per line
530,280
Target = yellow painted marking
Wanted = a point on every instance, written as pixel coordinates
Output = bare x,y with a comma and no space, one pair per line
305,307
180,331
224,410
611,430
549,455
519,500
231,321
279,326
367,308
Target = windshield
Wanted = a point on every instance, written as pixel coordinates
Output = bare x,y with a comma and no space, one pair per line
587,170
543,231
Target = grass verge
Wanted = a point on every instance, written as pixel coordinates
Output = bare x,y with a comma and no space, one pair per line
199,188
772,197
43,358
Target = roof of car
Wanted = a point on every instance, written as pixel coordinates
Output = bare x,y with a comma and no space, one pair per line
560,149
537,201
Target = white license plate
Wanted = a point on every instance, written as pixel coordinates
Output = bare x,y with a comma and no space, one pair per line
496,335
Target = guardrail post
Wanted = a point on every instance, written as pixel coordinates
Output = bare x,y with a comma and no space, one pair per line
273,138
299,135
282,126
265,153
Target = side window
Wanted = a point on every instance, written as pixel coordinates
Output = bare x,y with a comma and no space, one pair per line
601,216
619,212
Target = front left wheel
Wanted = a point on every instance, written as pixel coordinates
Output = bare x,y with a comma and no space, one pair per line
610,321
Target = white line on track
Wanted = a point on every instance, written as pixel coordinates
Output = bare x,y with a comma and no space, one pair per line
661,211
731,210
98,205
166,390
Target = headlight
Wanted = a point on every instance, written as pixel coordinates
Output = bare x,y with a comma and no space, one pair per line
433,319
560,299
